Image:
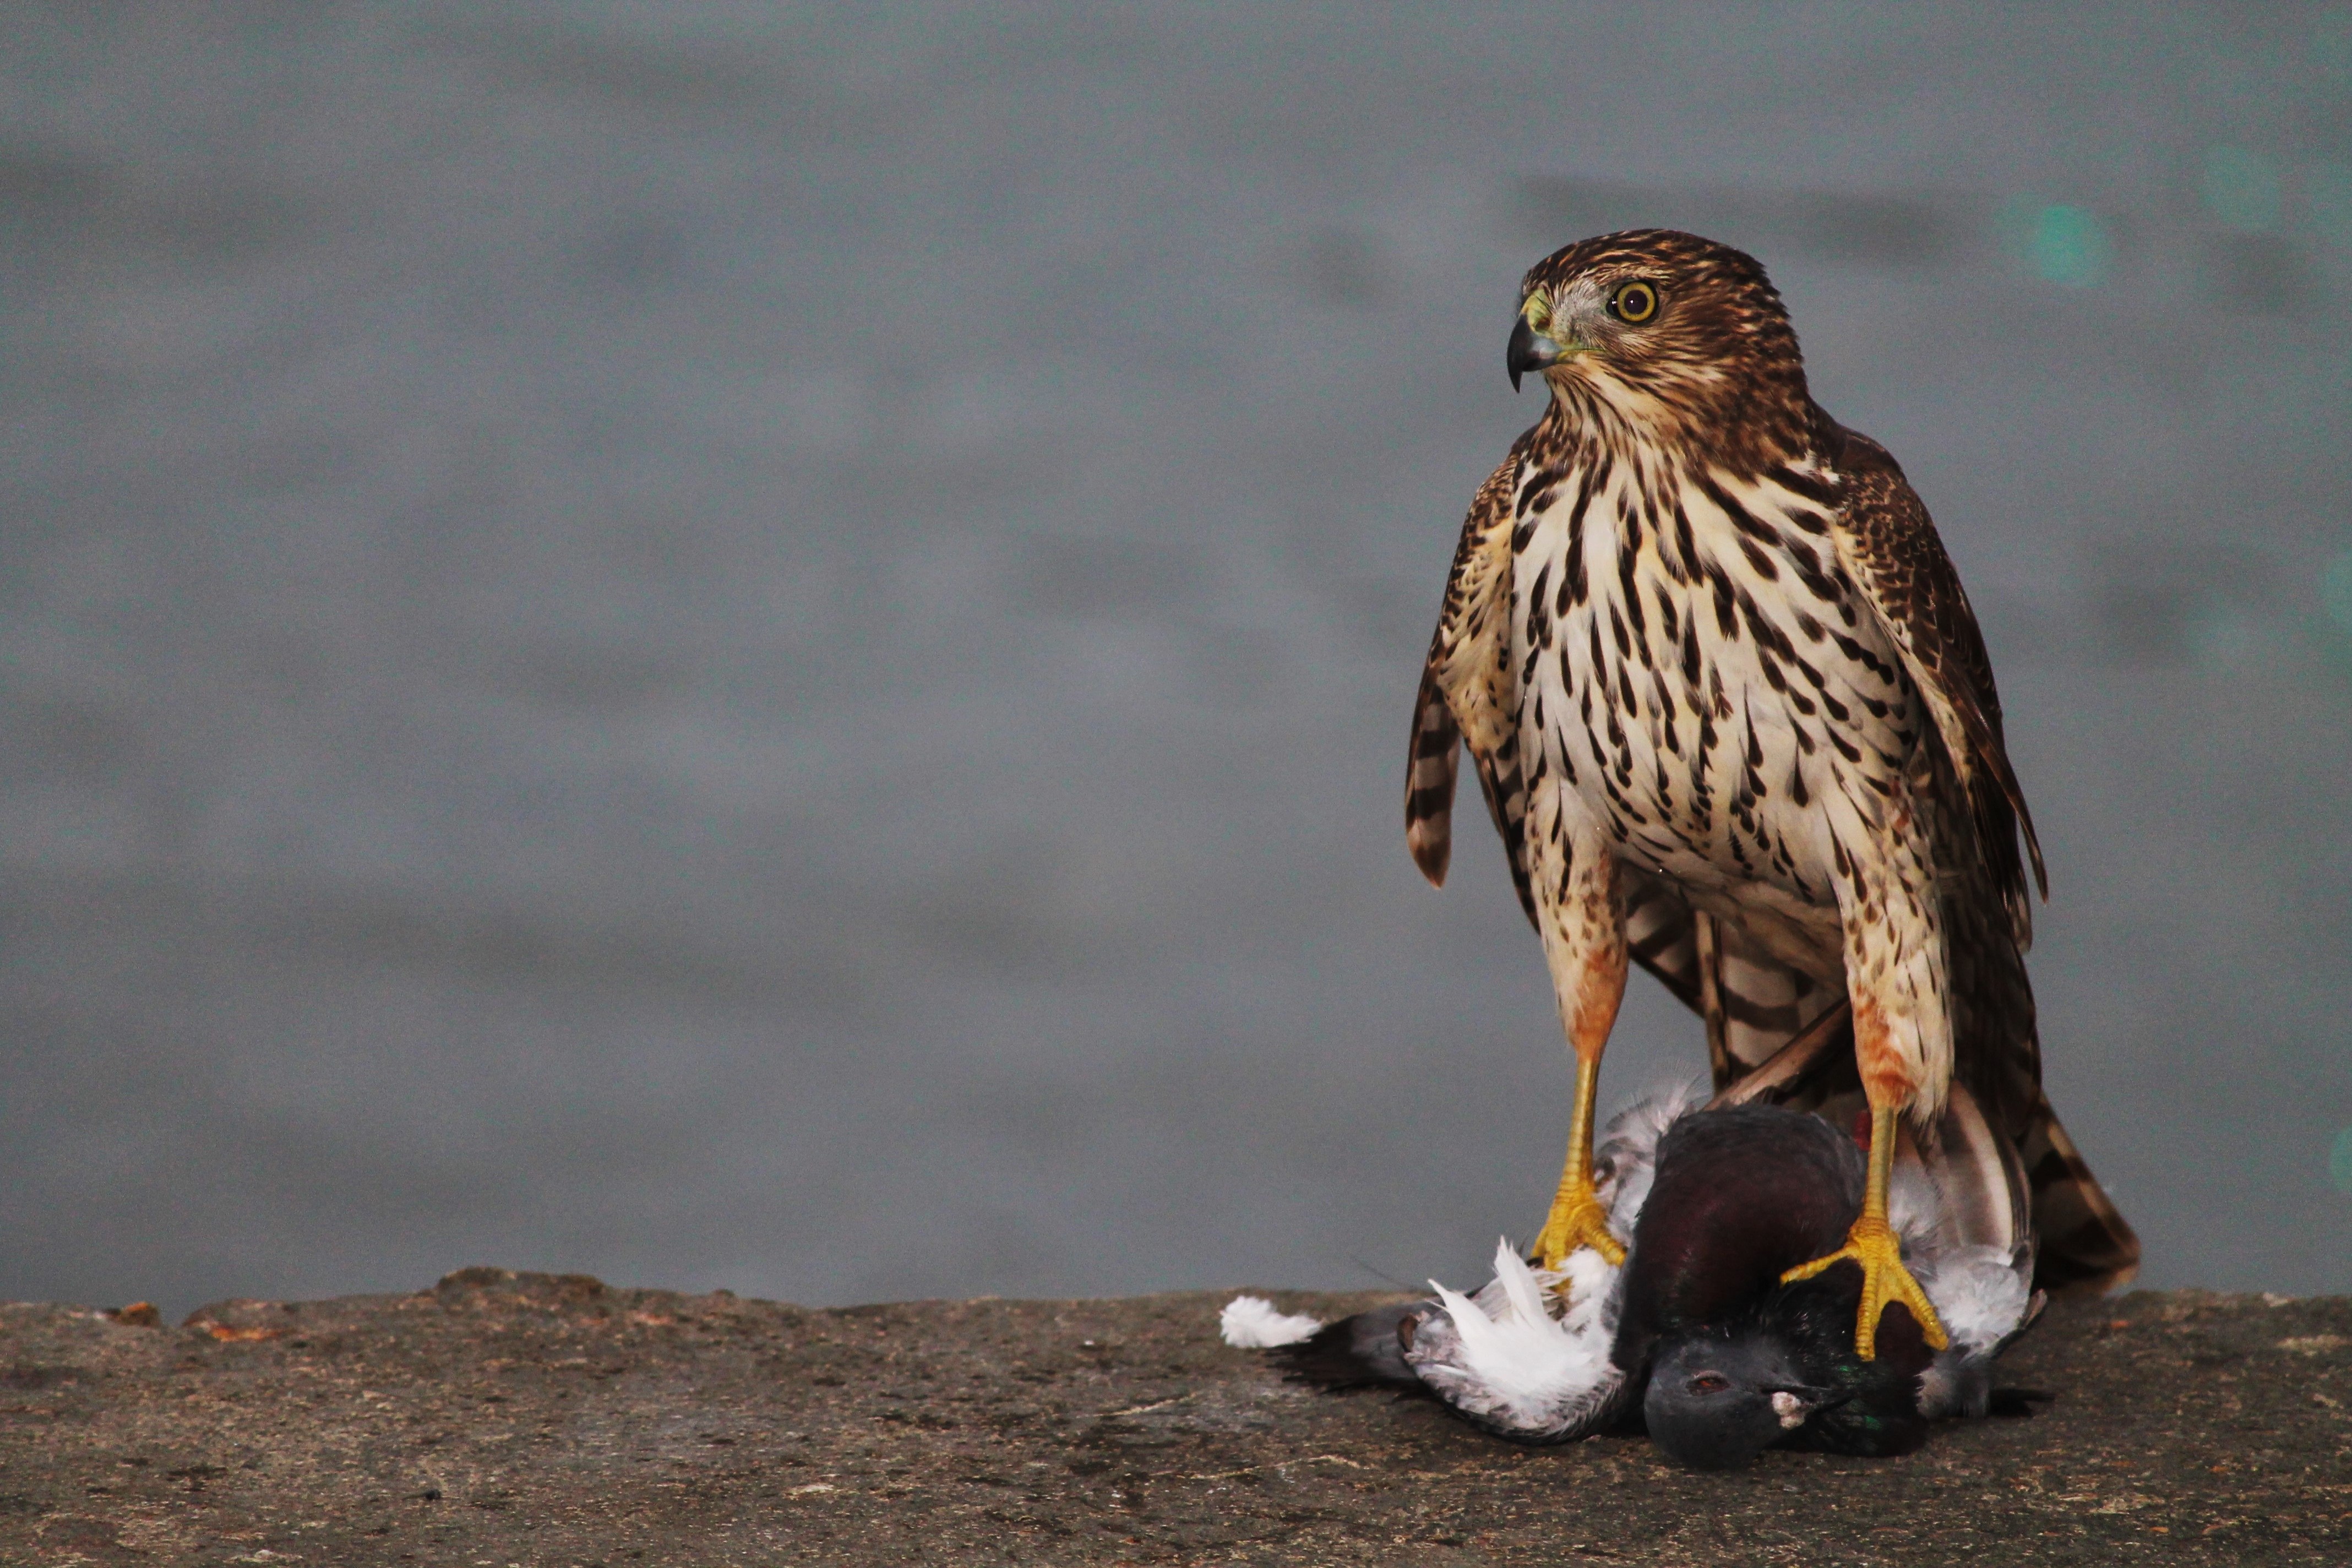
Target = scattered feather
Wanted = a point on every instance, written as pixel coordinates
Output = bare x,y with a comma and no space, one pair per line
1254,1323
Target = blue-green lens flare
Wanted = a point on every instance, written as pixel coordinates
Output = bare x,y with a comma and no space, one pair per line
2069,246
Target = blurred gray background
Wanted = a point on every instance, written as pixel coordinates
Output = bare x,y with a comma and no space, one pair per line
764,647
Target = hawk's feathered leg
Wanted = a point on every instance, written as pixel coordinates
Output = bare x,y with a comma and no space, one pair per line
1892,916
1582,923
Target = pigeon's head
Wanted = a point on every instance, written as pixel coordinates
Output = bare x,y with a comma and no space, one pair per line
1715,1402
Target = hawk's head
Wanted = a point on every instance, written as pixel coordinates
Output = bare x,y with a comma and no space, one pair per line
1681,339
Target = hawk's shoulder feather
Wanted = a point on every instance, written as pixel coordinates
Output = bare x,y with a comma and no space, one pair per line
1890,548
1468,696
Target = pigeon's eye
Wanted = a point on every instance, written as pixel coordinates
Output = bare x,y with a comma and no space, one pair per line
1633,304
1709,1383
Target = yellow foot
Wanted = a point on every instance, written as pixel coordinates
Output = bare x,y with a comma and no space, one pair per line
1872,1243
1577,1219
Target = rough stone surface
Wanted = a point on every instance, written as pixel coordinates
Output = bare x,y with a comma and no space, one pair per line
515,1419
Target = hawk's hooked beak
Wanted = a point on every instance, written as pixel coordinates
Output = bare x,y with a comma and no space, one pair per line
1528,351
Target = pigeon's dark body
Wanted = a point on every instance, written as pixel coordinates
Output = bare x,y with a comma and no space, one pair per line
1742,1194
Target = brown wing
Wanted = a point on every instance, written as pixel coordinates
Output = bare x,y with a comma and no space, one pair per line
1889,547
1468,695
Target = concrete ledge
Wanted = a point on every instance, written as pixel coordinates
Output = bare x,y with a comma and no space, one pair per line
519,1418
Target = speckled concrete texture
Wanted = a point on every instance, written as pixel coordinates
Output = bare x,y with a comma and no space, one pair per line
505,1419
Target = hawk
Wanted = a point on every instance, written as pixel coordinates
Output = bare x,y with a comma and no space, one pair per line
1733,718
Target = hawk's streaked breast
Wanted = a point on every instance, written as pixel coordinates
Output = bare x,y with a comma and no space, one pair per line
1693,665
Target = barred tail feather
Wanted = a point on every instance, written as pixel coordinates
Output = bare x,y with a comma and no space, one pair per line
1429,778
1753,1003
2086,1245
1660,932
1765,1001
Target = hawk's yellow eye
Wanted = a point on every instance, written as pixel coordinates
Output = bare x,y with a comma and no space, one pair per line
1633,302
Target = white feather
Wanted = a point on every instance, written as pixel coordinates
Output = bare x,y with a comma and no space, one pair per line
1980,1292
1530,1351
1915,1208
1504,1358
1254,1323
1587,1286
1628,1157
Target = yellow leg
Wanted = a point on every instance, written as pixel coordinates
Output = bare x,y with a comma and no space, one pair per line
1577,1218
1873,1244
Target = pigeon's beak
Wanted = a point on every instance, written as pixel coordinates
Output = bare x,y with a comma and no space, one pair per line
1530,351
1797,1405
